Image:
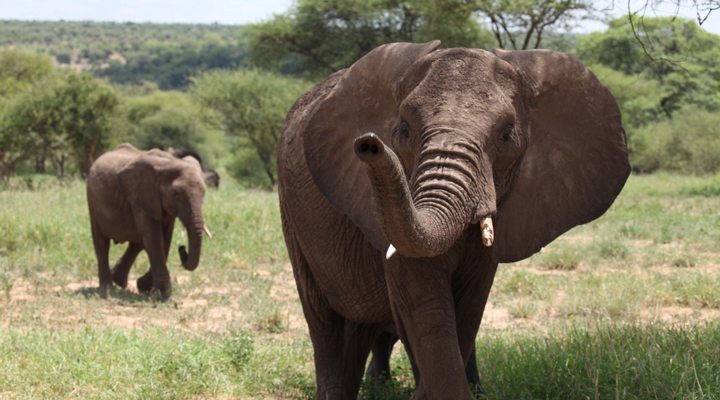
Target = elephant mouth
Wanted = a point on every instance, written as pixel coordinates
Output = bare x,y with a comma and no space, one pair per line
486,228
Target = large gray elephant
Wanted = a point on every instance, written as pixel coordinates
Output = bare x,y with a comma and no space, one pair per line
406,178
134,196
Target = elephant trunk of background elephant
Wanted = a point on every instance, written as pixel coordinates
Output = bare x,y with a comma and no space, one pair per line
194,224
427,225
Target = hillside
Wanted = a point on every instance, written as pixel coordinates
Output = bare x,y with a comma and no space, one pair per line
128,53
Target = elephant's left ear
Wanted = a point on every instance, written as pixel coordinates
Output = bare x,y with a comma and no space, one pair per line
139,182
576,161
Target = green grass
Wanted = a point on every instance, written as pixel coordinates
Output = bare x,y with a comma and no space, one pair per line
612,309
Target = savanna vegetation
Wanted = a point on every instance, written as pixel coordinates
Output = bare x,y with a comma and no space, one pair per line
625,307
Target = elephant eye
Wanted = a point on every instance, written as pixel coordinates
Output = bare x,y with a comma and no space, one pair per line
401,136
506,133
402,130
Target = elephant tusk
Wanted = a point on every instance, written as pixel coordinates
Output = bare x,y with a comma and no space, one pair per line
488,234
390,252
207,231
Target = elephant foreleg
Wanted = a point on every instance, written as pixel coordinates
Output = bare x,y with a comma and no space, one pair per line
424,313
471,286
153,237
101,243
167,238
122,268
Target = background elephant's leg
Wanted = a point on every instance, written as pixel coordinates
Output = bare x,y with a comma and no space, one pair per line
424,313
154,244
379,368
167,237
145,282
122,268
101,243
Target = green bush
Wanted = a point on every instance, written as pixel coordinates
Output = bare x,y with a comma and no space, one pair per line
690,142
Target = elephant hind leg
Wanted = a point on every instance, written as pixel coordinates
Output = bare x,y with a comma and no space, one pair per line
379,368
101,243
122,268
145,282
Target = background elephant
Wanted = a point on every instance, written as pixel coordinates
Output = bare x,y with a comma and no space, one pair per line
134,196
453,160
211,177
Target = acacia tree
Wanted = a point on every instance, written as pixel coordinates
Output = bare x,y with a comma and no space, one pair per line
69,117
686,59
88,106
317,37
20,72
252,106
520,24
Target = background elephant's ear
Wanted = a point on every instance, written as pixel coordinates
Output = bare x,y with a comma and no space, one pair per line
361,101
576,161
139,182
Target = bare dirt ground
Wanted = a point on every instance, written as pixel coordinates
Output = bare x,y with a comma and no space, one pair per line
201,305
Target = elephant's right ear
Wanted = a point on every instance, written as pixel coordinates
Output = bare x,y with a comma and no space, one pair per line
139,181
362,100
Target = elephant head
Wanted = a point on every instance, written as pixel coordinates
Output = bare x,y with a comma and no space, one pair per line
415,144
164,187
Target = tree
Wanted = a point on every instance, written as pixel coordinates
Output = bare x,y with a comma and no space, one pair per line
172,119
88,106
22,76
252,106
21,69
317,37
685,62
520,24
70,117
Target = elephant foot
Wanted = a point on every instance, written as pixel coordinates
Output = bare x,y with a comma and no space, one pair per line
104,289
161,294
120,277
145,283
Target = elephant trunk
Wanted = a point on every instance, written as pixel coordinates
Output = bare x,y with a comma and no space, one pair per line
194,225
430,223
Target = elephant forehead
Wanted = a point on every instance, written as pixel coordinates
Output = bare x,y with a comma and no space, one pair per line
463,82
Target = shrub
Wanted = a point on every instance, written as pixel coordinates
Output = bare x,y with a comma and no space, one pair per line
690,142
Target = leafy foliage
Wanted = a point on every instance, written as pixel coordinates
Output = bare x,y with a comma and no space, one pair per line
69,116
520,24
130,53
298,42
675,52
689,142
252,105
167,119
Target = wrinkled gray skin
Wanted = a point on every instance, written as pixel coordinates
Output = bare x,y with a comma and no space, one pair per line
134,196
414,146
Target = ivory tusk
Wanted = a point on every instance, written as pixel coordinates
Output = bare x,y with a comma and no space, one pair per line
207,231
390,252
488,234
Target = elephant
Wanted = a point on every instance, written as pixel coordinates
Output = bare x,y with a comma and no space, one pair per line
406,178
211,177
134,196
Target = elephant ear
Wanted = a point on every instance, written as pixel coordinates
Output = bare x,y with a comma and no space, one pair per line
576,160
139,182
361,101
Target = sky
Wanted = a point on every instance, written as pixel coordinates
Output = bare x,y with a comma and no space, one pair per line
245,11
